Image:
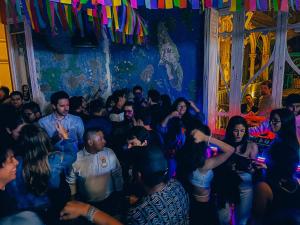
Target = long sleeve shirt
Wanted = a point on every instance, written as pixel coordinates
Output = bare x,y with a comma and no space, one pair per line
73,124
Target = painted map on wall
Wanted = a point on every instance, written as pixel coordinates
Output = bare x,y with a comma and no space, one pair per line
171,61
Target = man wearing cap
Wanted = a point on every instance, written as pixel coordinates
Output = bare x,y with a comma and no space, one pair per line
165,201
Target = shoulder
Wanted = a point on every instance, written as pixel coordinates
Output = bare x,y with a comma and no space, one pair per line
263,190
252,146
45,119
74,118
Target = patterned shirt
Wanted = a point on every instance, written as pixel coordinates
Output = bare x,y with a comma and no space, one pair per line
167,207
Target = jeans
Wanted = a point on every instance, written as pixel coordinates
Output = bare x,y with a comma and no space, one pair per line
242,210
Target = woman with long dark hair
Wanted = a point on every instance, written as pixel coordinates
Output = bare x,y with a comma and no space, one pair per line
173,128
195,172
39,182
279,194
282,123
237,172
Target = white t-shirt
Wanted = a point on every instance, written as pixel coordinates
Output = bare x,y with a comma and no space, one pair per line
96,175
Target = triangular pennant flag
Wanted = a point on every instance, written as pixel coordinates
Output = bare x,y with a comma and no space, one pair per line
284,7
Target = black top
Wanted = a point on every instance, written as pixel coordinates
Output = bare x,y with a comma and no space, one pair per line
8,204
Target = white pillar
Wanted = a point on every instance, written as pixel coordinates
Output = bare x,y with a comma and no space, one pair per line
211,68
279,61
237,57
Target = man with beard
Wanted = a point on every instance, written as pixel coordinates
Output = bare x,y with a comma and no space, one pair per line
73,124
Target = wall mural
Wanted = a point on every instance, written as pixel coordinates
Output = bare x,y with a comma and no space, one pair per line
171,61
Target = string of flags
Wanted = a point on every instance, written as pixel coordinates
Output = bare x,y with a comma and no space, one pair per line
119,17
120,21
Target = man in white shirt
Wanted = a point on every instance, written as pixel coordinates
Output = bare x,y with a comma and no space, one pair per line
96,174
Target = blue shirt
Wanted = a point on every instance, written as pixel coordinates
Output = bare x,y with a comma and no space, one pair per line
58,163
73,124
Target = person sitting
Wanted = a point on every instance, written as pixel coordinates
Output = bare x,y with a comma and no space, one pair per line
40,184
249,105
165,201
96,175
31,112
73,124
195,172
266,102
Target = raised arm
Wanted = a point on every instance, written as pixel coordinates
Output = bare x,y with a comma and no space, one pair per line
213,162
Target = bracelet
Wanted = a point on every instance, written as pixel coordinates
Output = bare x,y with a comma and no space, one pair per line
90,213
208,141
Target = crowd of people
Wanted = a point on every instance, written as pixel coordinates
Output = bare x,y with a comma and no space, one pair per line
144,160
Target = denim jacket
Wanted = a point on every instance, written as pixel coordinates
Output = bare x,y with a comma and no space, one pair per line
59,162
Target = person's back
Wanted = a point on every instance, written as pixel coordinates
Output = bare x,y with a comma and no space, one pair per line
168,206
165,201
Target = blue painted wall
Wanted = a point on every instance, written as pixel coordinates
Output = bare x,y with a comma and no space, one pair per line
171,62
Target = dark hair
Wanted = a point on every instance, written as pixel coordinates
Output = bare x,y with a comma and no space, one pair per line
96,105
178,100
55,97
36,169
229,137
192,156
267,83
15,93
75,103
291,99
129,103
139,133
145,116
166,102
109,101
154,95
118,94
89,132
5,91
4,149
283,160
287,132
33,106
9,117
137,87
248,95
152,165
